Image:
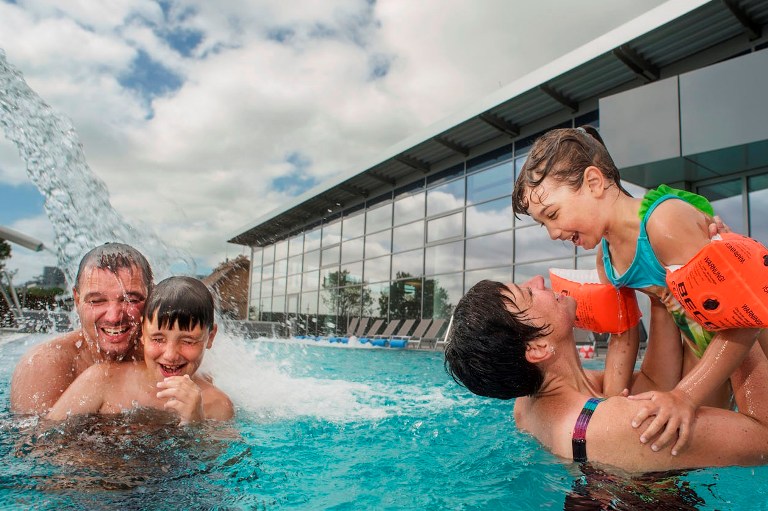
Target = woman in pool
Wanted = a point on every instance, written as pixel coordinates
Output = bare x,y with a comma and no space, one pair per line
511,341
178,327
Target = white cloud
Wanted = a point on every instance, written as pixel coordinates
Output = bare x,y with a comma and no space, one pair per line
199,162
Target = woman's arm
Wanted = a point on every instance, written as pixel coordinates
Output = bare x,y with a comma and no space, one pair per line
622,349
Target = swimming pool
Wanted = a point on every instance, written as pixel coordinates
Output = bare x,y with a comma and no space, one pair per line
327,427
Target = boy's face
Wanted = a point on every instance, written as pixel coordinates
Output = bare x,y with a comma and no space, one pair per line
109,306
172,351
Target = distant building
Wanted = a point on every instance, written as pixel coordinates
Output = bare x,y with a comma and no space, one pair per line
230,281
52,277
679,95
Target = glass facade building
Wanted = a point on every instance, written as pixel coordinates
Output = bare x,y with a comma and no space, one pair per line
414,245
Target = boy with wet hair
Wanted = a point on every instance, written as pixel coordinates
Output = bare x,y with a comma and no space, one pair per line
112,283
177,328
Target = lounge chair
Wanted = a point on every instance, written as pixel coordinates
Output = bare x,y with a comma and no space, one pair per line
357,332
383,341
375,327
389,331
430,336
443,339
408,339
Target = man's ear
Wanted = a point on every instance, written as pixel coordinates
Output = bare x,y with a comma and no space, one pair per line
538,351
594,179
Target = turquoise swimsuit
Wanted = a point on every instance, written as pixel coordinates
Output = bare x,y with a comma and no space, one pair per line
646,273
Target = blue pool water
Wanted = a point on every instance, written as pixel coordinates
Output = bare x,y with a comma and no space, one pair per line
322,427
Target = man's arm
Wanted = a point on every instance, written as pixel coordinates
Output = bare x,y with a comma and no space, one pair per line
43,374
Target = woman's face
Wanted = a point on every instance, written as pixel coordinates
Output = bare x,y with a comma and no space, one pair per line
542,306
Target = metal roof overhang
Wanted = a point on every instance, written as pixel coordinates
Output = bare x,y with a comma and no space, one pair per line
675,37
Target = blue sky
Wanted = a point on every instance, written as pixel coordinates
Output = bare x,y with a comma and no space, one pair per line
201,117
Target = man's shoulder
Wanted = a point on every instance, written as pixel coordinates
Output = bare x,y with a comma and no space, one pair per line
64,346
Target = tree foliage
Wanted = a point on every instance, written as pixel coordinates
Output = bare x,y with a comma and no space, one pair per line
5,252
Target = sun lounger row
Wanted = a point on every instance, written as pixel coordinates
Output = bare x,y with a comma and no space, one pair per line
397,334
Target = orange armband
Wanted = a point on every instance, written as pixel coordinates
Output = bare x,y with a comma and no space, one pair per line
725,285
599,307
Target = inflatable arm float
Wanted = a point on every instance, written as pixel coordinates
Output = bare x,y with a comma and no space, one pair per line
599,307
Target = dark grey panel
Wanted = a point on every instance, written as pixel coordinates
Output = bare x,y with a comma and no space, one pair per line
642,125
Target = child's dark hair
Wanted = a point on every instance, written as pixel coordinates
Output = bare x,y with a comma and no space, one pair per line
180,301
563,154
113,257
486,346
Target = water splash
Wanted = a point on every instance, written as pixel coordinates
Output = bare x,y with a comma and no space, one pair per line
76,201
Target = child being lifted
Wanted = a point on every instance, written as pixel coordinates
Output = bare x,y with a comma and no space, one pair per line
570,185
177,328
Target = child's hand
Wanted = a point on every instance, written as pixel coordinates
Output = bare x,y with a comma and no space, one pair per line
184,397
674,414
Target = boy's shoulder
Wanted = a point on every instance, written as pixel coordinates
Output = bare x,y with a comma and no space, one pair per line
216,403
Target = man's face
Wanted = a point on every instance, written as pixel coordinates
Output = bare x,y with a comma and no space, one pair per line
110,307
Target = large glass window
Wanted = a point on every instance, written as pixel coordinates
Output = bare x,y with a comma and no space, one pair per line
256,256
353,225
281,249
293,284
489,217
377,270
296,245
490,183
312,239
408,208
408,264
352,250
279,286
269,254
331,233
378,244
502,275
281,268
445,227
309,304
294,264
444,258
534,244
310,282
405,299
254,310
376,300
758,208
352,273
312,260
408,236
267,272
524,219
488,251
379,218
446,197
727,200
330,256
441,294
524,272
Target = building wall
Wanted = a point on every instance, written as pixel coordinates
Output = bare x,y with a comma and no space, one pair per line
412,252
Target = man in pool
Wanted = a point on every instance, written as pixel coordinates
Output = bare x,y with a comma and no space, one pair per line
177,329
509,341
110,289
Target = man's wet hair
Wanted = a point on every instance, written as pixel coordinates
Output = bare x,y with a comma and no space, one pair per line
182,302
113,257
486,346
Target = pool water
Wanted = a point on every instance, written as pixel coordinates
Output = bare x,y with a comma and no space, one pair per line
326,427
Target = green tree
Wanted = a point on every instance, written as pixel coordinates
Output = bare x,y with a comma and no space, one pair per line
5,252
436,304
344,295
404,298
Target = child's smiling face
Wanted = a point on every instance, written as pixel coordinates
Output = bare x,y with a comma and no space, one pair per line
568,214
171,351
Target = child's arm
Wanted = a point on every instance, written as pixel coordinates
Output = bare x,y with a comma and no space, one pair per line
83,396
662,365
677,231
622,350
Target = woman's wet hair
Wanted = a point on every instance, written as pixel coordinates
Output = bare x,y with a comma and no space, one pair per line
113,257
182,302
563,154
486,346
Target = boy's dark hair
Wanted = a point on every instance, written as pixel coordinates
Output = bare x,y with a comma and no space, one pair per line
486,346
182,301
563,154
113,257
